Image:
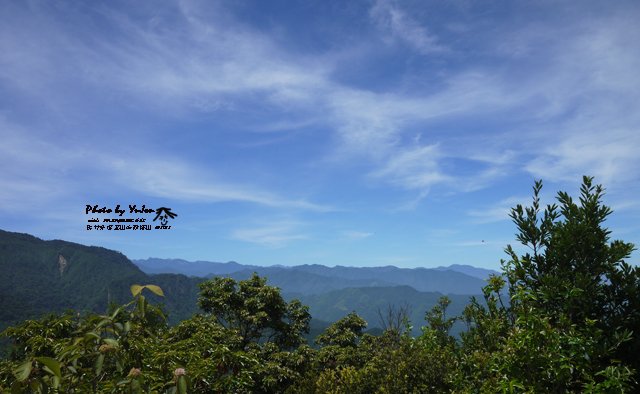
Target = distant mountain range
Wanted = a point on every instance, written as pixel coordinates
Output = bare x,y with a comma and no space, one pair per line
480,273
333,292
317,279
39,277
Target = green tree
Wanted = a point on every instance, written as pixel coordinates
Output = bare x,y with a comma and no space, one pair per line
256,311
345,332
575,274
573,304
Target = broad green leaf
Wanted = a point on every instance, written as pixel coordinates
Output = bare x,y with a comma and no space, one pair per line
23,371
52,364
155,289
136,289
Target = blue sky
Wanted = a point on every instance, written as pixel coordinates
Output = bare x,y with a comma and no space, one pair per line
359,133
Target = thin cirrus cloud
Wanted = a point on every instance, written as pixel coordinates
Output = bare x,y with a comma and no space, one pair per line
177,180
413,169
356,235
400,26
588,90
498,212
610,156
40,172
226,64
275,235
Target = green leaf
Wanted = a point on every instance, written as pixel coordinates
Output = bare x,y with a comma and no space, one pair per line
111,341
141,306
116,312
52,364
156,290
91,334
102,323
136,289
99,363
182,385
23,371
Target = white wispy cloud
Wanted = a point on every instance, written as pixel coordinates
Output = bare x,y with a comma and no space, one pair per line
399,25
39,172
178,180
611,156
499,211
356,235
211,63
588,88
375,125
415,168
274,235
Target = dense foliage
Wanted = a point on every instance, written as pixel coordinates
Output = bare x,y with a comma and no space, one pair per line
563,317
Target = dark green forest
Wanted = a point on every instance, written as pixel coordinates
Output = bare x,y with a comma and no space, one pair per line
563,316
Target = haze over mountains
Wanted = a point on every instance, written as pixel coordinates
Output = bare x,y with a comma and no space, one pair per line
314,279
40,277
333,292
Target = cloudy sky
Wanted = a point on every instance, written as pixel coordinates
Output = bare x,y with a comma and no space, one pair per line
359,133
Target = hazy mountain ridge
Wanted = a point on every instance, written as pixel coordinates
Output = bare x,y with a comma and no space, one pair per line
480,273
203,269
315,279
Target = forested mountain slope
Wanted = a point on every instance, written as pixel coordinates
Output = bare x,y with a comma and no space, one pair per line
40,277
